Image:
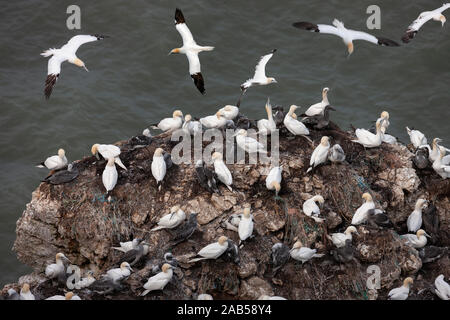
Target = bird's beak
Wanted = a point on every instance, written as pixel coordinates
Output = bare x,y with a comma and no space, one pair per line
171,215
97,156
131,269
275,81
427,235
234,135
85,68
170,53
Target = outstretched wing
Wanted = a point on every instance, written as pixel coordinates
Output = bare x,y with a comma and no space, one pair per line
260,70
360,35
183,29
321,28
54,69
194,70
76,41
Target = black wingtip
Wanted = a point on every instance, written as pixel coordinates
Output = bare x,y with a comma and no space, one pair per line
387,42
273,51
304,25
179,18
49,84
199,82
408,36
101,36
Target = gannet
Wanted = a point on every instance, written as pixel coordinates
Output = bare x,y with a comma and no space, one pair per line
344,253
108,151
56,270
417,138
221,170
248,144
303,254
280,256
336,154
417,240
311,209
63,176
245,228
232,223
433,152
184,231
442,288
232,252
159,167
266,297
68,296
25,293
128,245
441,169
339,239
293,125
13,295
190,126
401,293
414,221
424,17
384,117
360,215
273,180
204,296
216,121
85,281
191,49
367,138
430,217
118,274
171,220
55,162
378,218
206,177
65,53
319,154
109,175
146,132
259,78
387,138
160,280
278,114
430,254
267,126
347,35
170,124
213,250
319,107
135,255
321,120
168,258
421,158
229,112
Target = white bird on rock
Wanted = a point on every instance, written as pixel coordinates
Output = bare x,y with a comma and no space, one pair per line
170,124
221,170
213,250
68,296
339,239
108,151
229,112
439,165
293,125
190,126
116,275
417,138
401,293
57,269
318,108
216,121
248,144
128,245
171,220
25,293
442,288
110,175
418,240
55,162
414,221
273,180
245,228
160,280
303,254
311,209
158,167
320,153
267,126
360,215
367,138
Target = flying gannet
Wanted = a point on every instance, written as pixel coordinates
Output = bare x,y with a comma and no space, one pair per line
401,293
414,221
191,49
221,170
213,250
319,107
158,167
273,180
170,124
320,153
171,220
339,239
360,215
55,162
267,126
110,175
107,151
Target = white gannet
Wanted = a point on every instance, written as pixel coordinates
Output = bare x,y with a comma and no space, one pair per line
433,152
273,180
158,167
160,280
339,238
190,126
191,49
360,215
109,175
387,138
347,35
108,151
55,162
128,245
204,296
367,138
442,288
213,250
311,209
401,293
248,144
259,78
440,167
320,153
417,138
303,254
418,240
85,281
216,121
336,154
424,17
414,221
57,269
171,220
68,296
65,53
25,293
146,132
221,170
267,126
170,124
319,107
118,274
384,117
245,228
12,295
266,297
293,125
229,112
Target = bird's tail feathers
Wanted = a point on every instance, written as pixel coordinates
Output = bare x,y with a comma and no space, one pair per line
144,293
119,163
40,165
207,48
229,188
49,52
318,255
196,259
157,228
338,24
309,169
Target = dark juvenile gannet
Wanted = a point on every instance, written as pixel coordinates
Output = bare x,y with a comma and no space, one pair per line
221,170
430,254
336,154
280,256
185,230
135,255
191,49
442,288
55,162
107,151
63,176
110,175
278,115
347,35
65,53
320,153
361,214
424,17
431,222
401,293
25,293
420,158
213,250
344,253
414,221
206,177
160,280
232,223
158,167
232,252
303,254
378,218
320,120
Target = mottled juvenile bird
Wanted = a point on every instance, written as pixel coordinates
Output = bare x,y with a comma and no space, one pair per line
206,177
280,256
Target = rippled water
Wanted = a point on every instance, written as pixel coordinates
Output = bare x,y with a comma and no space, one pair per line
133,82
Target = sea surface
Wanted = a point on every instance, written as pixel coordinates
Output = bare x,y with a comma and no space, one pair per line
133,82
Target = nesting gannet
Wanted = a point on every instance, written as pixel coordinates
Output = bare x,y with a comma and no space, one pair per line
229,112
421,158
135,255
159,167
319,107
433,152
232,252
321,120
336,154
63,176
146,132
417,240
278,114
339,239
160,280
65,53
430,217
424,17
273,180
401,293
430,254
266,297
384,117
378,218
184,231
303,254
347,35
108,151
85,281
204,296
248,144
56,270
167,258
128,245
267,126
190,126
387,138
213,250
12,295
116,275
293,125
311,209
417,138
319,154
216,121
109,175
245,228
25,293
170,124
414,221
171,220
191,49
68,296
344,253
360,215
221,170
206,177
441,169
55,162
367,138
259,78
442,288
280,256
